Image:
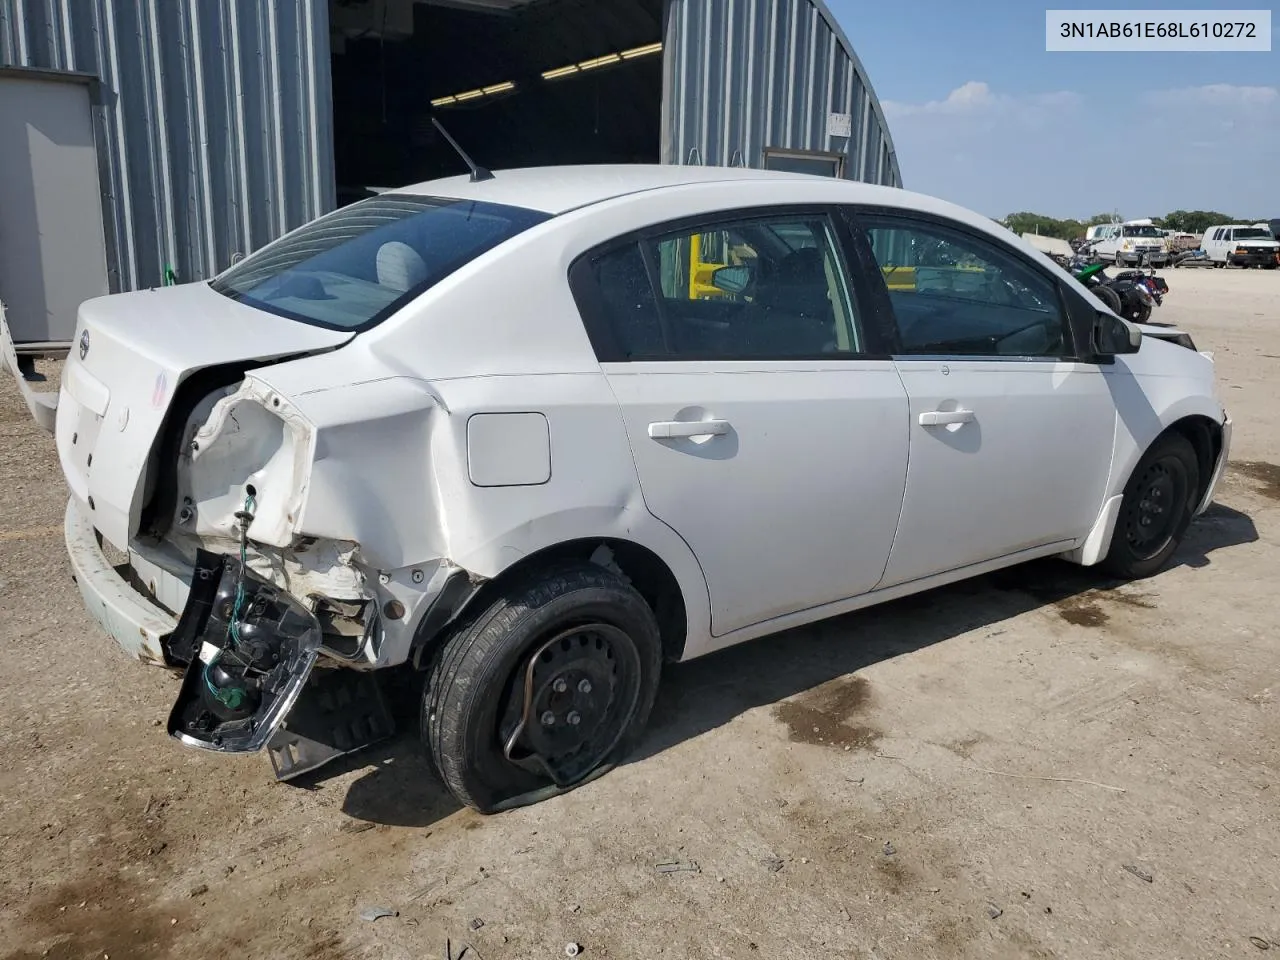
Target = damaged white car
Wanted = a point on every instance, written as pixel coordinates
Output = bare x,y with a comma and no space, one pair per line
536,433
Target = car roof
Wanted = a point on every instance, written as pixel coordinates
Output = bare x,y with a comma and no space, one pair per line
557,190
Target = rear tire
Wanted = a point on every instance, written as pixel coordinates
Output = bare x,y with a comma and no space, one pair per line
1159,500
1139,314
574,643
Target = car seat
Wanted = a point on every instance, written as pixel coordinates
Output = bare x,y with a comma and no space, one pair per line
400,267
791,312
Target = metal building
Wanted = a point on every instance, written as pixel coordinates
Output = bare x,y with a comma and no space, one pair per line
217,125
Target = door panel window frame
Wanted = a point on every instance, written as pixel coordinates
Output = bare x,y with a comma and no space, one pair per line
878,340
870,275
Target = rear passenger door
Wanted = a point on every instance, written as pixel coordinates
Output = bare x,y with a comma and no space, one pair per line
1011,438
767,422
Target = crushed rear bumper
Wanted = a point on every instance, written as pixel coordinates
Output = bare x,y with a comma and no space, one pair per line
136,624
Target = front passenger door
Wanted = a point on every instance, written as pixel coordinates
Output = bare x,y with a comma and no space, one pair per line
1010,439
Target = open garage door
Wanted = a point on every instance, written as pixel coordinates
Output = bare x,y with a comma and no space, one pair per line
516,82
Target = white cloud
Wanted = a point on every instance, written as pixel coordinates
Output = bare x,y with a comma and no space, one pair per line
976,98
1217,95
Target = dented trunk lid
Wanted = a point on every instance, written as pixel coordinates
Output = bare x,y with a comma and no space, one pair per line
130,354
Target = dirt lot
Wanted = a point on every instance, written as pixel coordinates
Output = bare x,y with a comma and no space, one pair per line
969,773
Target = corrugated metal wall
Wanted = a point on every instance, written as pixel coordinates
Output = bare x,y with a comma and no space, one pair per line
214,130
743,75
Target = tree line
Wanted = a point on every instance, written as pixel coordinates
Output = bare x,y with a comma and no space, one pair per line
1185,221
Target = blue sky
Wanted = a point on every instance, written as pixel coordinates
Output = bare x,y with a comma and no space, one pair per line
982,115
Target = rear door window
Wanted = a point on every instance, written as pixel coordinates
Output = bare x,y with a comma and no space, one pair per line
351,269
757,288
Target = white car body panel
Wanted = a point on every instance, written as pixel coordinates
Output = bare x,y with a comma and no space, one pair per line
143,345
373,457
1024,412
795,506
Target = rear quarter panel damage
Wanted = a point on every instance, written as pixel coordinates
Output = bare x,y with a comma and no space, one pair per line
375,476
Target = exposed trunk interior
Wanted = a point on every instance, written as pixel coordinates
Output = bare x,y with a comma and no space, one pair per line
515,82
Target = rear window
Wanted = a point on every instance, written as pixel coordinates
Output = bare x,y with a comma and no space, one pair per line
351,269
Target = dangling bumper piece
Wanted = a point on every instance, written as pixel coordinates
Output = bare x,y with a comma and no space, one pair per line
248,648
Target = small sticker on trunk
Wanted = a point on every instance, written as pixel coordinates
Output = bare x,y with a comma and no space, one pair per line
160,390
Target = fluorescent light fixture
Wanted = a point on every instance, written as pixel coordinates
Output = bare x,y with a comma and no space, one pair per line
599,61
559,72
473,94
641,51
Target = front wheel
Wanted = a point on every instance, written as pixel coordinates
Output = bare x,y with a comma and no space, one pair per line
1156,510
1109,297
549,685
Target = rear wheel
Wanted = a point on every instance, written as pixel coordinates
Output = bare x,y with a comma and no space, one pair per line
1109,297
1159,500
1139,312
551,684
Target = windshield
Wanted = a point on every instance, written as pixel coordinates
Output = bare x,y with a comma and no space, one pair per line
1141,232
356,266
1252,233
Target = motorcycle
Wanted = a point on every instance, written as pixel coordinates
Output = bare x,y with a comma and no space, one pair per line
1156,286
1127,295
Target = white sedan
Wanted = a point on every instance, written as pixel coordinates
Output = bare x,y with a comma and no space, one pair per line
536,434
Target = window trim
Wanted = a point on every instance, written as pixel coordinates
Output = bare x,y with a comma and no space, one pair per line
856,214
604,340
791,153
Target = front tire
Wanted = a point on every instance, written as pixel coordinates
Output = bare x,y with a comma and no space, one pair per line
1159,500
1109,297
551,683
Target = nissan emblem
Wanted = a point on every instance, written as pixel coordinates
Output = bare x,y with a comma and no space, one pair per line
84,344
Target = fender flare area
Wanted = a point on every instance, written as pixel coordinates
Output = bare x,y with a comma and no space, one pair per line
1211,441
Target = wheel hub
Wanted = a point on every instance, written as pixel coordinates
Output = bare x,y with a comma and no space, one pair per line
1155,508
574,701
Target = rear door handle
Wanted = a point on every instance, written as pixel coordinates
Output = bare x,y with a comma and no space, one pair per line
684,429
935,418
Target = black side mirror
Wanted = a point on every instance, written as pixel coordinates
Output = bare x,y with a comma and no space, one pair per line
732,279
1113,336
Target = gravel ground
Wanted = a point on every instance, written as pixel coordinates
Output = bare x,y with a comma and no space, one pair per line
1039,763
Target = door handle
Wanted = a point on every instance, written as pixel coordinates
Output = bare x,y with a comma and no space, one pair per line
685,429
935,418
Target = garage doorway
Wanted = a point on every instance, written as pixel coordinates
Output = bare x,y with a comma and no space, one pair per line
517,82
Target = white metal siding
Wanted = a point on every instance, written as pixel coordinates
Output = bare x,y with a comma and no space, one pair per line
749,74
214,124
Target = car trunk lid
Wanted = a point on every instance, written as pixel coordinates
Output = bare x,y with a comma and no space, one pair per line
130,355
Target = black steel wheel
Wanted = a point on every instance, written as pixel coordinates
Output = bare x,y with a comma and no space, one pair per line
547,687
1156,510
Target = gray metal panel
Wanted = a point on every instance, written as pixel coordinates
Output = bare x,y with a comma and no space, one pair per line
743,75
214,130
52,253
